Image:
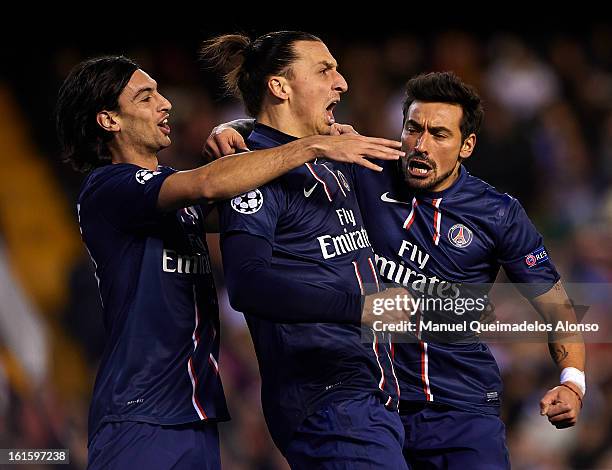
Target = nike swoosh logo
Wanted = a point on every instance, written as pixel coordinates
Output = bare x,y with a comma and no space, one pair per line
385,198
308,192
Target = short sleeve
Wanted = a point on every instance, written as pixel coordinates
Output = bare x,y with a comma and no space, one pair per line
522,253
126,195
256,212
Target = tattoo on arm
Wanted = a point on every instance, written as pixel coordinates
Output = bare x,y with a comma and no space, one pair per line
558,352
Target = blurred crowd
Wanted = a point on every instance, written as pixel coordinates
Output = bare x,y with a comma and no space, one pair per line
547,140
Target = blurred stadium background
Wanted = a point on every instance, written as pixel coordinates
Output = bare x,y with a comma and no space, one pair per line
547,140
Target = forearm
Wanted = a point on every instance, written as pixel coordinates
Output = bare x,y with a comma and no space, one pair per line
562,403
256,288
567,354
234,174
237,174
274,297
566,349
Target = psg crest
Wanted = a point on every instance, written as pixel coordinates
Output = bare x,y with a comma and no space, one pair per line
248,203
343,180
460,236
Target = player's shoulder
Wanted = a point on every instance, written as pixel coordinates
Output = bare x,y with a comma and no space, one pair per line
490,198
111,178
95,179
106,173
366,177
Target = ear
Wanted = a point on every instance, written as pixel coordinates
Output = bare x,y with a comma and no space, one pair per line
468,146
279,87
107,121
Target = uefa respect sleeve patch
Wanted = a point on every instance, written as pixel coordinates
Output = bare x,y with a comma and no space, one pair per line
536,257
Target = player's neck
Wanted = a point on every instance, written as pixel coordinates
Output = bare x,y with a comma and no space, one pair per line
282,120
131,155
448,181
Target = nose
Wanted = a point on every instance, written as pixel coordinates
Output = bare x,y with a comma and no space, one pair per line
340,84
164,103
422,142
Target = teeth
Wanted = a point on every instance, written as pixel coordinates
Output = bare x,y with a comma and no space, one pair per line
421,170
165,121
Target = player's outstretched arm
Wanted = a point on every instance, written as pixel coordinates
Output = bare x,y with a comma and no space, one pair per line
239,173
228,138
562,404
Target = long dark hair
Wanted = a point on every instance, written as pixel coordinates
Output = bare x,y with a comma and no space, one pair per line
247,64
92,86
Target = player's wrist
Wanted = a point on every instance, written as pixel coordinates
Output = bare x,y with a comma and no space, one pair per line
569,386
574,377
313,147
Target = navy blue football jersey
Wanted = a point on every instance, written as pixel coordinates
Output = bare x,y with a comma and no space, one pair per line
311,218
433,241
160,363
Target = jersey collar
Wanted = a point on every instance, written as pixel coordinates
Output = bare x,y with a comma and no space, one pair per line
269,133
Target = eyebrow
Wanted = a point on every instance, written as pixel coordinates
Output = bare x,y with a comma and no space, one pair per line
327,64
141,91
432,129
